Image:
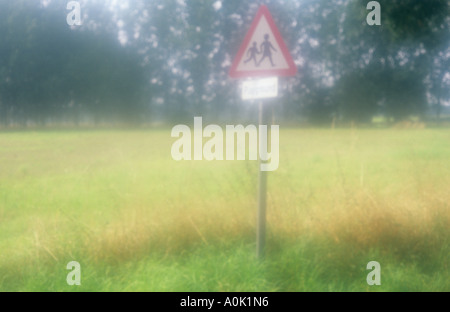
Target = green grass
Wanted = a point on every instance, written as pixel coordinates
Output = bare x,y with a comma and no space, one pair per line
136,220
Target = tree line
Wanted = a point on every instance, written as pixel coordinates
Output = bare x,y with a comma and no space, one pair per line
142,61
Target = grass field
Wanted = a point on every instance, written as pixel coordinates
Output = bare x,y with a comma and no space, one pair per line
136,220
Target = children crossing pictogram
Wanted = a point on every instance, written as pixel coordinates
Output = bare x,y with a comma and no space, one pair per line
266,51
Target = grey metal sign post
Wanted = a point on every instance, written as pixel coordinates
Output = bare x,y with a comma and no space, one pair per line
262,199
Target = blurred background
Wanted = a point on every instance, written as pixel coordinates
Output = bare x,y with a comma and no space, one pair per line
143,62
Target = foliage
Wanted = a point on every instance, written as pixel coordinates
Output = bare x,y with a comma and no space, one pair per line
175,55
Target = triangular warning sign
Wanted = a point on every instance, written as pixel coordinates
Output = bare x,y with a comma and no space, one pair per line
263,52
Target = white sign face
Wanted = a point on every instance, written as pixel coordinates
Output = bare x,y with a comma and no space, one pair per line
263,52
260,89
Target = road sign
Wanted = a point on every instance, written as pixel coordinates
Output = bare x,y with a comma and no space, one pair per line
260,88
263,52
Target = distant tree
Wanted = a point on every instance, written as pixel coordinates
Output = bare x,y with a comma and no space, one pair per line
48,69
175,55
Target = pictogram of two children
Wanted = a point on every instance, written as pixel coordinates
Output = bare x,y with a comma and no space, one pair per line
266,51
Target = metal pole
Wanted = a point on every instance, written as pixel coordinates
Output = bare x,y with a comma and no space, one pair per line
262,195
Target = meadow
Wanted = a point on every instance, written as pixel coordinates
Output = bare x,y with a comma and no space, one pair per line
136,220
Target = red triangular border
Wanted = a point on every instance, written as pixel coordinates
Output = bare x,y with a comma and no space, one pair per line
290,71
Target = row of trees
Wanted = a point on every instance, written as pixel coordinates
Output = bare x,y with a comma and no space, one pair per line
50,73
136,61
